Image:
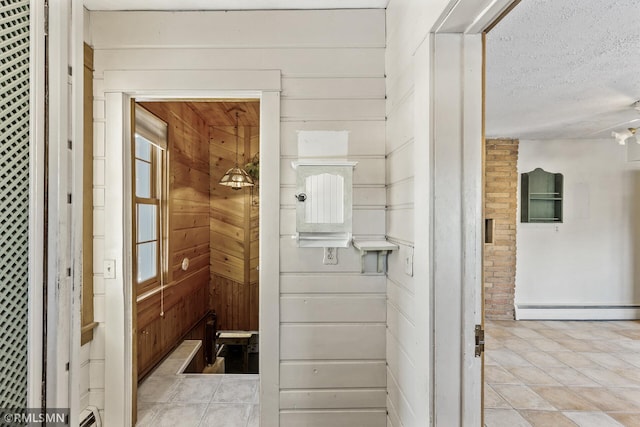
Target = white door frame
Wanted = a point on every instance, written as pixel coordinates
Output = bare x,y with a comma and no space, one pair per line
456,209
120,88
36,204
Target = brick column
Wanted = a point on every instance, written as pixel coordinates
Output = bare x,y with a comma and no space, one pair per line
500,203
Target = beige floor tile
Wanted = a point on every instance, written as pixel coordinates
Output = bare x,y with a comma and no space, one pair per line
608,346
531,375
632,394
504,418
597,363
522,397
497,332
633,334
532,324
554,334
632,358
608,361
547,419
607,400
499,375
575,345
583,334
526,333
608,378
571,377
507,358
493,399
563,398
628,345
518,345
543,360
592,419
546,344
574,360
631,373
626,419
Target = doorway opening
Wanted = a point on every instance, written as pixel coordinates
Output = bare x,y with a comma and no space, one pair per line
541,365
195,245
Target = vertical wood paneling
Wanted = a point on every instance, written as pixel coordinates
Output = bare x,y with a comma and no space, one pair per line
185,299
234,220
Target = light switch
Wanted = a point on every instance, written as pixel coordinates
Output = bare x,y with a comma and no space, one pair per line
109,268
408,261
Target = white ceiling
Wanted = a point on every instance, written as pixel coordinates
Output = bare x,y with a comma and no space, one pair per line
232,4
564,69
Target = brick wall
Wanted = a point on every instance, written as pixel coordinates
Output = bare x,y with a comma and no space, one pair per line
500,203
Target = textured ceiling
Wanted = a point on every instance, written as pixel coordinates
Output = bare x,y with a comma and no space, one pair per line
564,69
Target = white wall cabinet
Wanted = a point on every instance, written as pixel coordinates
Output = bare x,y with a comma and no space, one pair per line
324,199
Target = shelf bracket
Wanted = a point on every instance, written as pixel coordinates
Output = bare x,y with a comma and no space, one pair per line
382,247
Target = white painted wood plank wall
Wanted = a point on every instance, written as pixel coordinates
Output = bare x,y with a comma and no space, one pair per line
408,217
333,318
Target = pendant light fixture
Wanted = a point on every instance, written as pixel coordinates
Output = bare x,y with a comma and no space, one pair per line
236,177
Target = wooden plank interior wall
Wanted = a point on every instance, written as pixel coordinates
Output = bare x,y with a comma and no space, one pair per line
234,232
185,298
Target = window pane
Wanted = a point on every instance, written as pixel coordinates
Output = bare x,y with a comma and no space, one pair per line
147,267
146,222
143,148
143,179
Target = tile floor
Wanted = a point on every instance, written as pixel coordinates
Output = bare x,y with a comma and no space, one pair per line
559,373
168,398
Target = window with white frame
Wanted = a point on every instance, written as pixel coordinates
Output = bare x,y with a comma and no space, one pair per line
150,195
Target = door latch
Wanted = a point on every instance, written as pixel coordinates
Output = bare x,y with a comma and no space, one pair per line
479,340
301,197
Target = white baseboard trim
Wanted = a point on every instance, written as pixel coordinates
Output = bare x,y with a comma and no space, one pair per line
577,312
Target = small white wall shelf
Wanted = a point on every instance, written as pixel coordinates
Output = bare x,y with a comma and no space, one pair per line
382,247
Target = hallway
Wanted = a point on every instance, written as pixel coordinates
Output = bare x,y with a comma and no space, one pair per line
562,373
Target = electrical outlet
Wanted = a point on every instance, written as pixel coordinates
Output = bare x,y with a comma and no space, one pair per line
330,256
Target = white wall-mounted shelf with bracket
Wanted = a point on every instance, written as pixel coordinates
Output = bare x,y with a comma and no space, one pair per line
324,202
382,247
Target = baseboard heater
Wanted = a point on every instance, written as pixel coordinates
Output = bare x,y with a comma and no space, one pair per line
577,312
90,417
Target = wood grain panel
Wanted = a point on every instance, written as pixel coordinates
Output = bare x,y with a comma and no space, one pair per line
165,317
233,220
232,304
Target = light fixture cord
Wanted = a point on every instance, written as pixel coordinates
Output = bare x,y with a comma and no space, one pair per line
236,139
